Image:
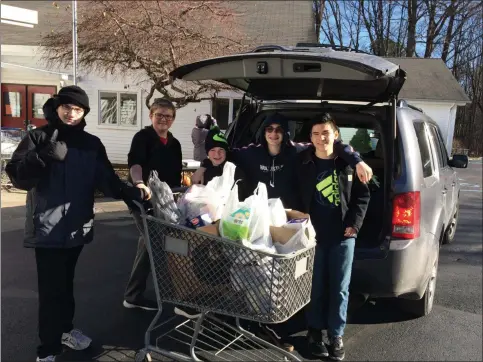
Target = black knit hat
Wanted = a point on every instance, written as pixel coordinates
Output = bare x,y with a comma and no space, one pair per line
215,138
74,95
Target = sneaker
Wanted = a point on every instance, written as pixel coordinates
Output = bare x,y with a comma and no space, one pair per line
316,345
142,303
336,348
268,334
46,359
187,312
76,340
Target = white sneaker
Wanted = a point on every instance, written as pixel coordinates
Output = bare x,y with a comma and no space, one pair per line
46,359
76,340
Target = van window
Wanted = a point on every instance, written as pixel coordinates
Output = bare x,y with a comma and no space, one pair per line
440,155
423,142
440,144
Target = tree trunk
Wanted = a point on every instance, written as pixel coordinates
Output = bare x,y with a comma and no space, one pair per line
319,8
449,30
412,20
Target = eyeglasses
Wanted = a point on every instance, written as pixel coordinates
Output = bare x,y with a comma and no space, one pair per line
167,117
271,129
68,108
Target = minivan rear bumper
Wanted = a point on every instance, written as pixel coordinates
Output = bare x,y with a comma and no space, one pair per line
384,272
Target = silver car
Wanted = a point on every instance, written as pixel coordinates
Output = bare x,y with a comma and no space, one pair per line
414,203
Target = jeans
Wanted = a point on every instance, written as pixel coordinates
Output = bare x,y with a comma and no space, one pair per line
330,286
55,272
141,267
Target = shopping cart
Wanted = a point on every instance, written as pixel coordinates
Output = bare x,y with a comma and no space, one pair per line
221,280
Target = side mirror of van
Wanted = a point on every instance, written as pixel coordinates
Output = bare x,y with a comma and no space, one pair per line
459,161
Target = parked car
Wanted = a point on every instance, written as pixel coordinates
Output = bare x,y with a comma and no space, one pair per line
415,208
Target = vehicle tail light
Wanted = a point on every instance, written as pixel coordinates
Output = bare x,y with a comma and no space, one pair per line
406,215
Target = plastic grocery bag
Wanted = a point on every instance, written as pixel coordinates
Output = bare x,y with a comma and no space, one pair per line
303,238
248,221
223,184
278,216
163,200
198,200
261,283
209,199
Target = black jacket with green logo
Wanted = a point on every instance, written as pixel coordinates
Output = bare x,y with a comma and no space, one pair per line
354,195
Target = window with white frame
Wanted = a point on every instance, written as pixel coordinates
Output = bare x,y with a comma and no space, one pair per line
118,109
224,110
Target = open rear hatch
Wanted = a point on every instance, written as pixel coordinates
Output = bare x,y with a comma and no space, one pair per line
277,73
301,73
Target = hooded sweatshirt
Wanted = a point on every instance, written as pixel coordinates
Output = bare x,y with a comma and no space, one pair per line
276,172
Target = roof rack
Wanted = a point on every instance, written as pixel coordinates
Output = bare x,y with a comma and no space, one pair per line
403,103
334,47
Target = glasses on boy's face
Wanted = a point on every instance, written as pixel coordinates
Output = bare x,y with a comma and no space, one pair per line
271,129
67,109
167,117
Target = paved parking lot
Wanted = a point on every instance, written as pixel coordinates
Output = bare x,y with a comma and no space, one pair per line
376,331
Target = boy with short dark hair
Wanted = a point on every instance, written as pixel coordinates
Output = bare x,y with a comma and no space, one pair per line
337,201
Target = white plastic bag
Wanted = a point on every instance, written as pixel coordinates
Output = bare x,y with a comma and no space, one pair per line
223,184
163,200
304,238
209,199
278,216
248,221
198,200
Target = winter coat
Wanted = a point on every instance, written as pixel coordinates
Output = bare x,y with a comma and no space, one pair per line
60,199
198,137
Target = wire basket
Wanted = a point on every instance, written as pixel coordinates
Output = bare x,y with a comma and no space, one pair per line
203,271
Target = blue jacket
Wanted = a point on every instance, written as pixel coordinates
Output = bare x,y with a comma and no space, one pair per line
60,199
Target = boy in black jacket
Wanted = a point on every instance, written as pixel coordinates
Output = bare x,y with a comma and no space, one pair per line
216,147
152,148
337,201
61,165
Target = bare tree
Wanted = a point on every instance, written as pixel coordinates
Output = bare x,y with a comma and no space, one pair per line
150,38
412,6
319,9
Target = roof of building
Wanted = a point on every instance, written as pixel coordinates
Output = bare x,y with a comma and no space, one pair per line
429,79
263,22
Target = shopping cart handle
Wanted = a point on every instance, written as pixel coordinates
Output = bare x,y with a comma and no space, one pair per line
140,206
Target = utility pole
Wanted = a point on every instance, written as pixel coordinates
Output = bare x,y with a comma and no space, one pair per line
74,39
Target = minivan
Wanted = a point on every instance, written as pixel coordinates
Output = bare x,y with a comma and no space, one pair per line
414,205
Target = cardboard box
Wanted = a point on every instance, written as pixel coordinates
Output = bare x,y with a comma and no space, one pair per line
212,229
282,234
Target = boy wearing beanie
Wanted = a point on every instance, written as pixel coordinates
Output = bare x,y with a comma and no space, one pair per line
60,165
216,147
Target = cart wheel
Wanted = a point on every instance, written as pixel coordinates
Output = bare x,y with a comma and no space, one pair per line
143,356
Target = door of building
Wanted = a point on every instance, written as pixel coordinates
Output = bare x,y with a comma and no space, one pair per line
22,104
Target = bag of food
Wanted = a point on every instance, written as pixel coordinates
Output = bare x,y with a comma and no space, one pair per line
248,221
163,200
